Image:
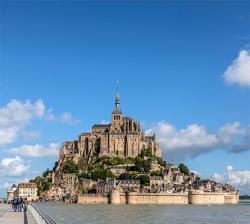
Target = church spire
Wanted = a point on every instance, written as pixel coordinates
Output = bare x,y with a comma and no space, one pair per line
117,108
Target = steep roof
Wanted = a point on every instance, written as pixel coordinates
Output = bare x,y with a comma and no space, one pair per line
100,125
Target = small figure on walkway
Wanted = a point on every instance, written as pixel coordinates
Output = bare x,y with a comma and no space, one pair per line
20,204
14,204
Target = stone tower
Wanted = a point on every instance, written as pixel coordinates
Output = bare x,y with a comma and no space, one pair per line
117,114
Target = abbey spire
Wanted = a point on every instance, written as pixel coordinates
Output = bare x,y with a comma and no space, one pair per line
117,108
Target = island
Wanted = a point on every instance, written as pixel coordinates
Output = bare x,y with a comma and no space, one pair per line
117,163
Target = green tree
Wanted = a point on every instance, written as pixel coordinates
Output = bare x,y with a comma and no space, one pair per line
139,164
156,173
183,168
43,184
70,167
142,165
146,152
101,173
161,161
146,165
46,172
144,180
117,161
126,176
83,175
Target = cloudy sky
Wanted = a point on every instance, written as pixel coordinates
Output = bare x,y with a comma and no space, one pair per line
183,69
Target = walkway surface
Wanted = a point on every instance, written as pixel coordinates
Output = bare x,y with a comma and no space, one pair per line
8,216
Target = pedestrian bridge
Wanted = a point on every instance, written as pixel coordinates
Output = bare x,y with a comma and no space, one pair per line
9,216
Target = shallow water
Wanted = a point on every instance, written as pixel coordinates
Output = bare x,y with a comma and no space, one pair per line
148,214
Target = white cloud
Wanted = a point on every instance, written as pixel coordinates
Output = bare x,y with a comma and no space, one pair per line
13,167
30,135
8,135
219,178
65,117
36,150
195,139
15,116
239,71
19,113
244,145
68,118
239,179
5,185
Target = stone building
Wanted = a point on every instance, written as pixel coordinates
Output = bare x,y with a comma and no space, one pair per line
11,193
27,191
122,137
106,187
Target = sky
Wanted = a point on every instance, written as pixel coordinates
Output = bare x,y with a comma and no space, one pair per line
183,69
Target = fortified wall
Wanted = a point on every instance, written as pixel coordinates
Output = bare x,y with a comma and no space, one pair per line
201,197
135,198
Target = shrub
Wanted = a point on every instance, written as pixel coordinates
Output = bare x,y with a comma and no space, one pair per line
70,167
83,175
126,176
102,174
144,180
142,165
146,152
156,173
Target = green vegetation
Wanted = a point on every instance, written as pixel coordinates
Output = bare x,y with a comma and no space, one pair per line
142,165
44,182
101,173
183,168
156,173
70,167
161,161
144,180
146,152
126,176
113,160
97,169
83,175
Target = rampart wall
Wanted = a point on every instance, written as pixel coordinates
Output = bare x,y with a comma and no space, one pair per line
92,199
157,198
201,197
198,197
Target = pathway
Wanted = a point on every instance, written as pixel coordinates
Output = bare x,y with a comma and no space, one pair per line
8,216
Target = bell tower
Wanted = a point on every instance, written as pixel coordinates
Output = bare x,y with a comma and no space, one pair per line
117,114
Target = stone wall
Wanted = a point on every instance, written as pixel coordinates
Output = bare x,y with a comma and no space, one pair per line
135,198
92,199
157,198
201,197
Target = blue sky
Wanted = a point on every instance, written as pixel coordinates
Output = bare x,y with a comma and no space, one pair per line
172,60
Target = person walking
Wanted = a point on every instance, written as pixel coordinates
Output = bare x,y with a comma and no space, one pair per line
15,202
20,204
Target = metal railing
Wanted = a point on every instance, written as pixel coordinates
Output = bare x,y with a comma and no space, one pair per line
40,216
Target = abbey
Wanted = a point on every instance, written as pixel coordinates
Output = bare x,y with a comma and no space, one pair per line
123,137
